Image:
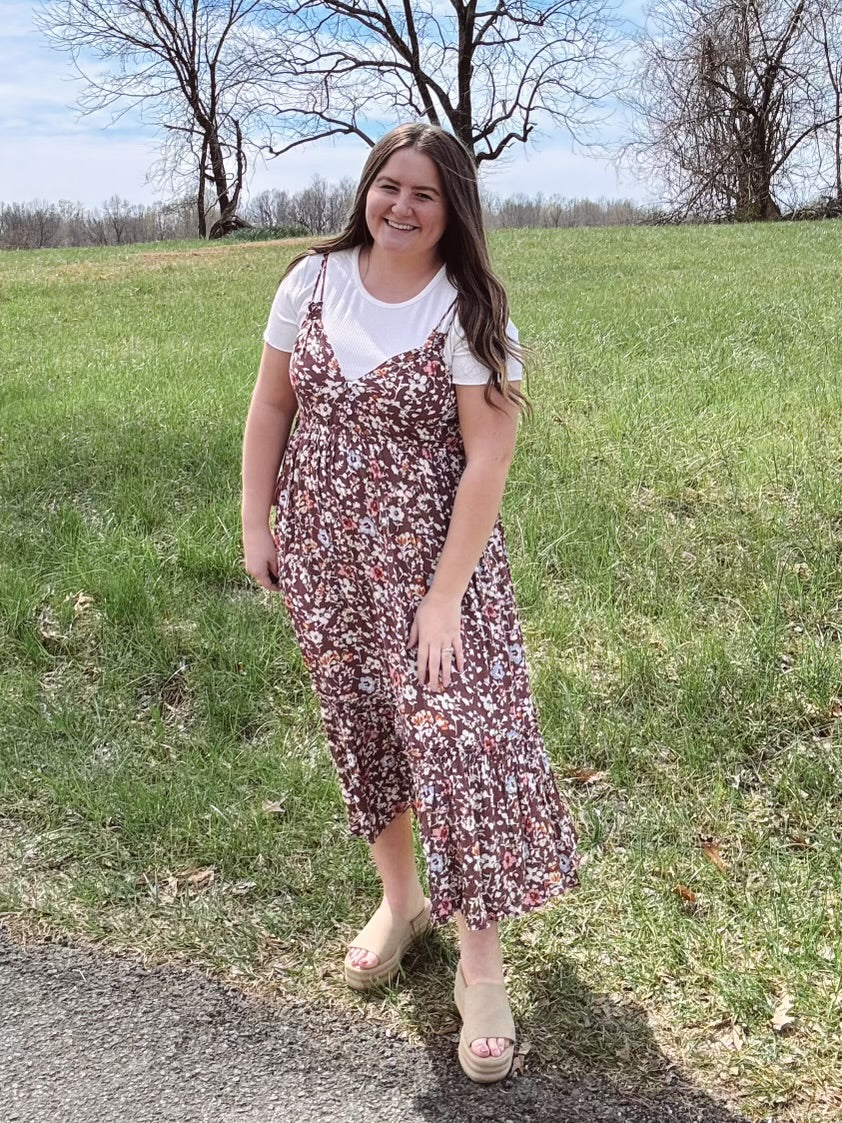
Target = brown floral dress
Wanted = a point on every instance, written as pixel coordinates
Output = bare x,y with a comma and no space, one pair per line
363,504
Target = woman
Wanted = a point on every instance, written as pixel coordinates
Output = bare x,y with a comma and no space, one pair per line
391,346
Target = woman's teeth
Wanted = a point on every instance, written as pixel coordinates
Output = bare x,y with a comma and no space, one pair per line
398,226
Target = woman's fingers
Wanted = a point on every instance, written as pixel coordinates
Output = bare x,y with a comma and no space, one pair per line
261,559
434,660
267,576
446,665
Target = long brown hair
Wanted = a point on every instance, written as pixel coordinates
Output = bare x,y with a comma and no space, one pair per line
482,303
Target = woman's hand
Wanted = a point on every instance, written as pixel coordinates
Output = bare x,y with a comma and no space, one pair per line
437,625
261,558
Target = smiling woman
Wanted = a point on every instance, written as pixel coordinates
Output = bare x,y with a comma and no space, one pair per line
391,349
405,209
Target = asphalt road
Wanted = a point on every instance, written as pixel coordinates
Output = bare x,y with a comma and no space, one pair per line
95,1037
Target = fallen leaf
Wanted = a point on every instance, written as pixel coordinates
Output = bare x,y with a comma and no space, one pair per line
732,1038
168,892
274,806
82,603
49,629
685,893
711,850
781,1018
201,879
587,776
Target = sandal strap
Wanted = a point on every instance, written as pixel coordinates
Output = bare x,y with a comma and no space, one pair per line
384,936
485,1011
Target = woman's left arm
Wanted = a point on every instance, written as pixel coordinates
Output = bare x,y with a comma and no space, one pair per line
489,437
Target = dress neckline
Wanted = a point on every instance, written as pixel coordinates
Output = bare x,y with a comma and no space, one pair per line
435,336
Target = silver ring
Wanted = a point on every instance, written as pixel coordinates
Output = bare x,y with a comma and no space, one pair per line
447,651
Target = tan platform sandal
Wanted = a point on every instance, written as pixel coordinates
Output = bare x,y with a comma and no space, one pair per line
485,1012
388,941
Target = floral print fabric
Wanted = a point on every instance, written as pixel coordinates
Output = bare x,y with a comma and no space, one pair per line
363,504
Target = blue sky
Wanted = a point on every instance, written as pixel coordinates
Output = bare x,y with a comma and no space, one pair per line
47,151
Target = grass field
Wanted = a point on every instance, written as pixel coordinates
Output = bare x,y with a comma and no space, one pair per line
674,516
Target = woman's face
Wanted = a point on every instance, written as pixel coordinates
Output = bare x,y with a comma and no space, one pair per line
405,208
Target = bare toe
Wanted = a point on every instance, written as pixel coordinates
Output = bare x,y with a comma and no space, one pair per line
360,957
490,1046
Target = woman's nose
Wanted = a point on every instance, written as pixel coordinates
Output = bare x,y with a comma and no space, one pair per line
402,205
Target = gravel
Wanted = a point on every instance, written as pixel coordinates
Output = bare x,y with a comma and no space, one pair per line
88,1036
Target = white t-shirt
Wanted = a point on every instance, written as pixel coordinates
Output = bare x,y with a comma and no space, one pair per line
364,331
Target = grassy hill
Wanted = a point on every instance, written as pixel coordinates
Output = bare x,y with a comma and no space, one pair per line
675,525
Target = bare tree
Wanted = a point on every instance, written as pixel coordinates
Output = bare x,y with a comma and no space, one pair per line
827,32
271,208
728,99
491,74
310,208
118,213
39,224
29,227
527,211
181,63
340,199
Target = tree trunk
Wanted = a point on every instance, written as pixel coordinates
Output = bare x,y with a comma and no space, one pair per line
200,201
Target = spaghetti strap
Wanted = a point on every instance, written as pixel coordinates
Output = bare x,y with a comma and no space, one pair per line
451,308
320,283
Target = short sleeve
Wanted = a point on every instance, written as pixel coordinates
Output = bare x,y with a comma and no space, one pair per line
465,368
290,303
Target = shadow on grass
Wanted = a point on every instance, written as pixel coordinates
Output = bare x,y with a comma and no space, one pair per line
608,1064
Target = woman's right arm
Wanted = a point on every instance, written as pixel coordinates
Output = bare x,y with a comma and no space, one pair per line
272,411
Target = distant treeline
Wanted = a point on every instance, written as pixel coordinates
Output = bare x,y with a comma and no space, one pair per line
317,209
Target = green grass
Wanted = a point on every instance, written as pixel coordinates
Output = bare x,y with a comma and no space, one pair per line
675,526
